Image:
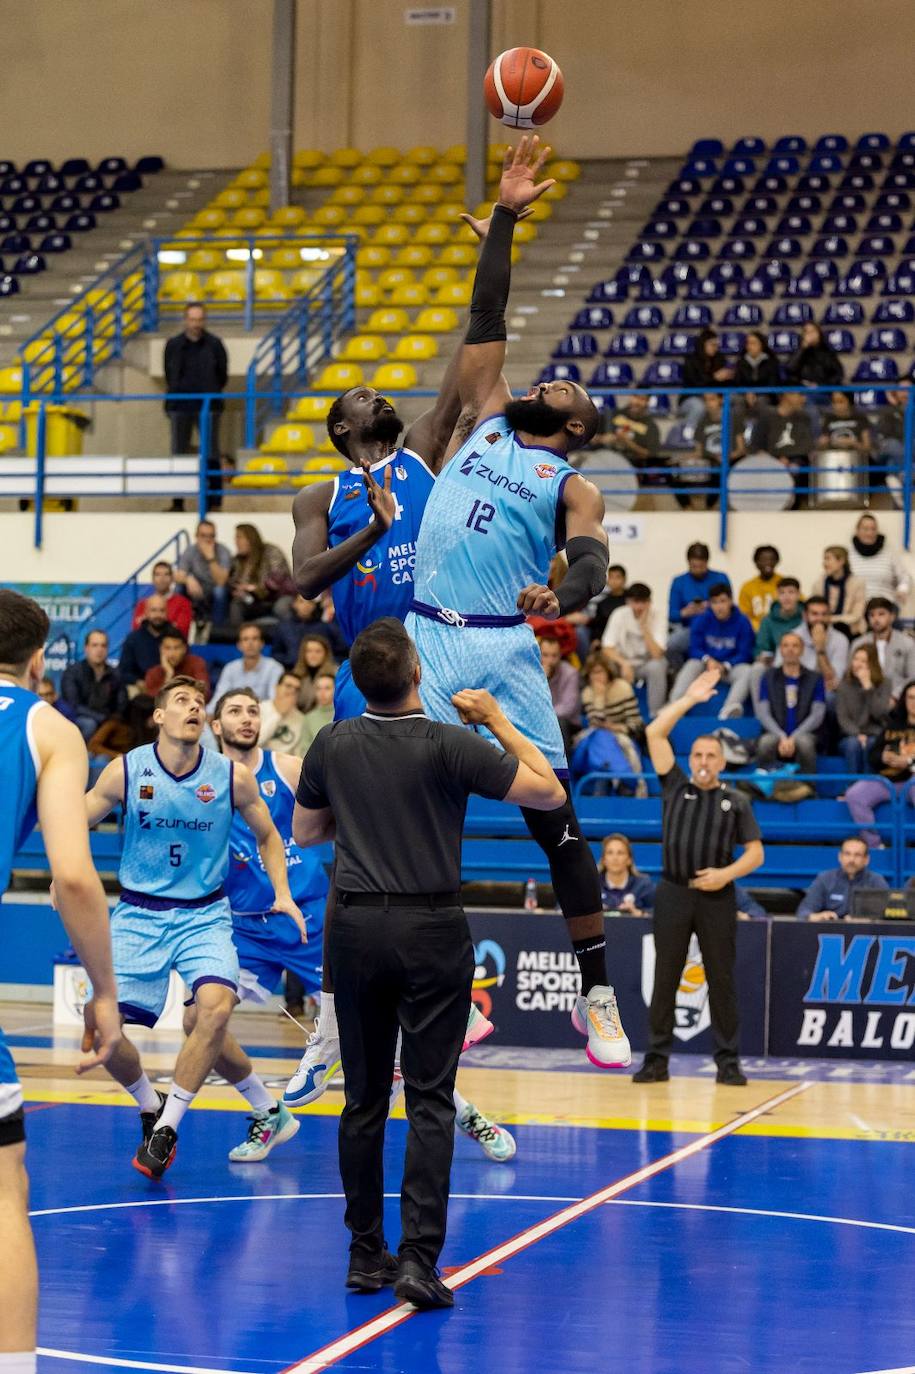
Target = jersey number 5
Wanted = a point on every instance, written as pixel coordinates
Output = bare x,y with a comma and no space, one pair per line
174,855
480,516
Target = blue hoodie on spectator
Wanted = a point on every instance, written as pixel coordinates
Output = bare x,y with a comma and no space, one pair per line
686,588
727,641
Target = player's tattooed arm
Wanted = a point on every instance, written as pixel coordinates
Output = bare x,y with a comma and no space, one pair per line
107,793
314,565
253,810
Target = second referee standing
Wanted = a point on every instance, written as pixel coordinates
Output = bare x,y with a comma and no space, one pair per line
703,823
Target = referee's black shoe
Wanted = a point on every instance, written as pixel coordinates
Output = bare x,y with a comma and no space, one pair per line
730,1074
371,1273
653,1070
421,1285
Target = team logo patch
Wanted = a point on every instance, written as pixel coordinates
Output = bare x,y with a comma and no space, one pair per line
493,438
205,793
352,495
400,473
146,792
546,469
269,788
725,805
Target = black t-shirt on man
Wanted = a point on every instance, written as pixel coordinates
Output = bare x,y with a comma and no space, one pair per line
398,789
702,826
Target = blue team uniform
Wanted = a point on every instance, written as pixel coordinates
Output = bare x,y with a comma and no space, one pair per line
492,523
267,941
19,768
381,583
173,912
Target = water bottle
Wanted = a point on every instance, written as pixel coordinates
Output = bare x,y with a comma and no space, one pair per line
530,895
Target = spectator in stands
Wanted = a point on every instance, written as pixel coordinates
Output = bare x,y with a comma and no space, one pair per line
260,583
705,367
564,688
825,649
757,367
203,571
785,614
829,896
322,713
624,890
895,649
175,660
688,598
893,757
178,608
304,617
92,687
592,621
862,707
792,706
846,430
748,908
142,648
282,723
721,637
700,468
252,669
757,595
633,432
48,692
635,639
815,363
314,657
785,432
889,432
883,572
609,703
196,363
843,591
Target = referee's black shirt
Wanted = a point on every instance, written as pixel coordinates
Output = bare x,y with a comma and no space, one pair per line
702,827
398,789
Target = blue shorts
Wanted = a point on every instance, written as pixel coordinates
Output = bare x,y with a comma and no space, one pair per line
269,944
505,660
146,945
10,1091
348,700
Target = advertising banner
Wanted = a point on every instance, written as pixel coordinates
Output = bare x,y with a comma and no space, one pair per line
72,608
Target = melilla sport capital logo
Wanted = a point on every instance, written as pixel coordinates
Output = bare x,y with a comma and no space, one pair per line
489,972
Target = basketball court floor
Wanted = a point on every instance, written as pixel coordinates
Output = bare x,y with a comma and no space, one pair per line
676,1228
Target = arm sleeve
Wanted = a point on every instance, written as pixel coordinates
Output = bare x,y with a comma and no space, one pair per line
492,281
478,765
814,899
311,791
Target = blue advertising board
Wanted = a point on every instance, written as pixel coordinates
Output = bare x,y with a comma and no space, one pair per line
75,607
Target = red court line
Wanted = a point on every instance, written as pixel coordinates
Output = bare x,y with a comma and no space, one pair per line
393,1317
42,1107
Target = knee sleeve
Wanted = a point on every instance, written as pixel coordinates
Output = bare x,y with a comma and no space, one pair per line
572,867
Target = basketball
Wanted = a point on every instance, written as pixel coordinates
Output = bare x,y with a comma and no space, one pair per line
523,87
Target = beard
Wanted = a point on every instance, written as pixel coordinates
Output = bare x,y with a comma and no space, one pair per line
535,417
236,741
383,428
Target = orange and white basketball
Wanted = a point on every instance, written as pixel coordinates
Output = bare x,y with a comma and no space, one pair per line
523,87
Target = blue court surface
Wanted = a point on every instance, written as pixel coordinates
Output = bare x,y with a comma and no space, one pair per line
768,1252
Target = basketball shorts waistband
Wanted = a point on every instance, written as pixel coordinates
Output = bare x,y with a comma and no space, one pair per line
148,903
445,616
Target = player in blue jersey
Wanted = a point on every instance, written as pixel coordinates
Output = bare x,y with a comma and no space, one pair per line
507,498
179,801
44,768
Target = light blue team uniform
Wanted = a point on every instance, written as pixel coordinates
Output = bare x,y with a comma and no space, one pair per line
492,524
19,769
381,583
173,912
268,941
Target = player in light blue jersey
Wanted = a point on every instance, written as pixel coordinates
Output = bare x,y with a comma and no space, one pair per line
179,802
506,500
43,765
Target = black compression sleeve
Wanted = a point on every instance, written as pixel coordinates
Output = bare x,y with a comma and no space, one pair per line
492,280
587,575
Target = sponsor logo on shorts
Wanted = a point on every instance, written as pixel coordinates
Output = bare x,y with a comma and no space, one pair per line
146,791
205,793
546,469
269,788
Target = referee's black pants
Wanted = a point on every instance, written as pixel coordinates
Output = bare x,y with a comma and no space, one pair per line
678,912
409,968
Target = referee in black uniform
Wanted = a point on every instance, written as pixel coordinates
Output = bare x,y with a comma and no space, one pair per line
391,787
703,822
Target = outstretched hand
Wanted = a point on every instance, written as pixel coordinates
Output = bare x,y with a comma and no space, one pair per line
518,187
705,686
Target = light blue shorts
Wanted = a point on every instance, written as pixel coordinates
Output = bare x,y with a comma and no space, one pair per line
147,944
505,661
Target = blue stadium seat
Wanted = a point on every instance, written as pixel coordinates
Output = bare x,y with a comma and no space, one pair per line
877,245
74,167
37,167
830,246
608,291
676,345
886,340
804,205
55,243
842,340
899,181
560,372
125,182
49,184
735,249
40,224
906,140
824,268
719,206
756,288
29,265
699,168
691,250
577,346
149,165
785,247
805,287
689,316
105,201
899,283
593,317
826,162
794,224
658,290
679,274
684,186
110,166
793,313
727,186
727,272
65,203
739,167
16,243
633,274
672,207
903,160
658,229
663,374
644,317
831,143
760,205
89,181
857,181
706,147
893,200
884,222
80,223
705,228
868,267
848,203
9,286
628,344
873,142
751,145
774,269
876,371
680,436
612,375
813,183
749,226
7,168
8,224
855,284
870,399
26,205
13,185
742,315
844,313
865,162
790,143
894,312
770,185
709,289
784,340
732,341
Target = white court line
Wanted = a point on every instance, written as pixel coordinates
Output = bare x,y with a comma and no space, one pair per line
353,1340
278,1197
787,1216
78,1357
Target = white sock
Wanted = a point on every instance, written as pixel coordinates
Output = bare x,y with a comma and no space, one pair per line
19,1363
254,1092
179,1099
459,1102
328,1017
146,1097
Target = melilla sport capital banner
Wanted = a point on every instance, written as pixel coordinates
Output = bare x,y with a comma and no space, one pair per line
72,608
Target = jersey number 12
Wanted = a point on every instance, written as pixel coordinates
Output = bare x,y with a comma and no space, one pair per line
480,516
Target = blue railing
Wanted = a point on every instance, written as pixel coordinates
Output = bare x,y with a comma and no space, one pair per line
114,615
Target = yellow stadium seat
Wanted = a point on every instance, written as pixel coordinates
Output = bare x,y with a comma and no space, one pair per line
410,296
340,377
270,284
288,217
458,294
10,381
525,232
564,169
364,348
373,256
347,195
386,195
388,321
434,277
407,174
11,411
558,191
268,471
449,212
320,469
393,277
225,286
213,218
423,155
307,158
329,216
459,254
415,348
428,195
302,281
384,157
413,255
326,176
261,198
395,377
496,151
457,153
288,259
369,215
232,198
437,319
300,177
367,295
73,322
312,408
436,234
540,210
179,286
287,438
206,260
41,350
366,175
9,438
408,214
346,157
251,179
251,217
262,160
391,235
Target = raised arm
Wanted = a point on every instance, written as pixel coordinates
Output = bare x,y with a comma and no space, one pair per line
587,550
535,784
107,793
253,810
657,735
314,565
